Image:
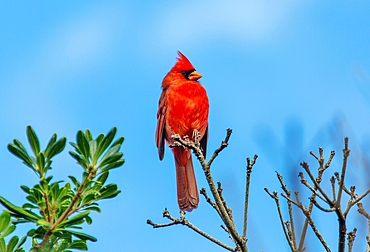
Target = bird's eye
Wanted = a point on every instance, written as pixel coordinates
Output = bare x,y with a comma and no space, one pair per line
186,73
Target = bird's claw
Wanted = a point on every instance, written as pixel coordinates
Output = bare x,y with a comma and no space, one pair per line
196,136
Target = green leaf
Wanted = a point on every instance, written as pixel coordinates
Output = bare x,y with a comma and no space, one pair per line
108,159
12,243
76,147
93,147
8,231
41,163
33,140
31,232
80,159
21,242
4,220
79,244
103,177
83,144
42,222
25,189
74,220
28,205
74,181
118,141
106,142
57,148
88,220
18,211
99,138
21,153
93,208
113,165
50,144
2,244
109,191
82,236
88,135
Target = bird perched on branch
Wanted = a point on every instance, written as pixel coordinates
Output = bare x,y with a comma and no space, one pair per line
183,109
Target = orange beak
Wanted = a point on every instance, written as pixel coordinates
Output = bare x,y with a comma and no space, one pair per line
194,76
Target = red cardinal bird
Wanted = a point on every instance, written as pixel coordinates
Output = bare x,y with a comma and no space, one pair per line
183,109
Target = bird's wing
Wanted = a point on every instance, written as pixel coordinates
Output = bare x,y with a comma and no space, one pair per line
159,133
203,142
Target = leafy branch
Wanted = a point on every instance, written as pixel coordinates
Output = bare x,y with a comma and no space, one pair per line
59,210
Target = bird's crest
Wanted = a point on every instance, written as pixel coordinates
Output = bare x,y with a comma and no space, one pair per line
182,63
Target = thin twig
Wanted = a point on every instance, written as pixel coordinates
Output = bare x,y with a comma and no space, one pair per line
247,185
307,213
362,211
341,217
313,190
291,231
209,200
332,182
183,221
223,145
275,196
351,236
317,185
320,173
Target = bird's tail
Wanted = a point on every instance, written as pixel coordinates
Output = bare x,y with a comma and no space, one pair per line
187,190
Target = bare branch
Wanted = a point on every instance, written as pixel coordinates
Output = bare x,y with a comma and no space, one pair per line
183,221
223,145
275,196
307,213
313,190
209,200
250,164
317,185
332,182
351,236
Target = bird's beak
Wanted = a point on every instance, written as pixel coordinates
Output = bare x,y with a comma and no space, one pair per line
194,76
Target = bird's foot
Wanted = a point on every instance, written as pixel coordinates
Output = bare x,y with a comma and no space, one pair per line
196,136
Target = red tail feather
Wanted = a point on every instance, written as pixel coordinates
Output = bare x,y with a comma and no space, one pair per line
187,190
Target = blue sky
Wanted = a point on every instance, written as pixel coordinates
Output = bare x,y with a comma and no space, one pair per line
286,76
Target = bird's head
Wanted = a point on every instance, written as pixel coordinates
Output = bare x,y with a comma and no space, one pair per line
185,68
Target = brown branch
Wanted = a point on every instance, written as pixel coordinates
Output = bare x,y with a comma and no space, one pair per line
336,174
341,217
275,196
183,221
320,173
351,236
47,210
307,213
228,209
209,200
223,145
313,200
362,211
290,211
317,185
313,190
70,210
332,182
223,213
346,152
250,164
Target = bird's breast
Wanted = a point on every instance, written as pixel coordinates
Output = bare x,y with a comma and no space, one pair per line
187,109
